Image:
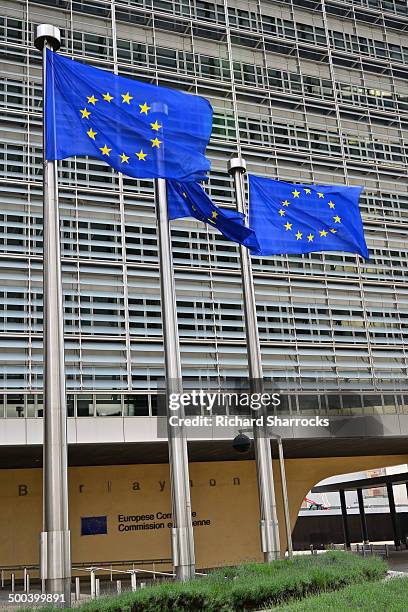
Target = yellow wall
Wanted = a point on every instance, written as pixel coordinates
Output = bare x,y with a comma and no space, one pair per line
224,493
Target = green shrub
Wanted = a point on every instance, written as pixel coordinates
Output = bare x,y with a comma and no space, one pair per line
249,586
390,596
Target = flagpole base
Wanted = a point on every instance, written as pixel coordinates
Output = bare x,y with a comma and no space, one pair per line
55,566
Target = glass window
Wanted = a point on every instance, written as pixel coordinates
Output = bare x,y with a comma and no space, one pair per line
153,404
269,24
15,405
124,52
389,404
70,405
334,404
306,32
308,404
109,405
85,407
136,405
351,404
31,404
166,58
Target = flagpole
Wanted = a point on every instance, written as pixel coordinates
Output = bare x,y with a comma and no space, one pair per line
285,497
182,530
263,456
55,553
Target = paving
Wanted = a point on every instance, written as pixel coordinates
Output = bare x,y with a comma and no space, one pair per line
398,561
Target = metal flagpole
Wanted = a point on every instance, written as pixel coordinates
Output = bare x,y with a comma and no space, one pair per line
263,456
285,497
182,531
55,538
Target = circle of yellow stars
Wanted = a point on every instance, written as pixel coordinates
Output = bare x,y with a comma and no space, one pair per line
126,99
323,233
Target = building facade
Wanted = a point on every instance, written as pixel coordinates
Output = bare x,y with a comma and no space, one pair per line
309,91
306,91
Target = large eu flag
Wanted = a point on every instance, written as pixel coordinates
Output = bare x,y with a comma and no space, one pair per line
291,218
190,200
139,129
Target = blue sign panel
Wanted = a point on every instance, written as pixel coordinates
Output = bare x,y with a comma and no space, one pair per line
94,525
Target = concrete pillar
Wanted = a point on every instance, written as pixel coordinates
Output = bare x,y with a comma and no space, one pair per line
393,515
363,518
344,517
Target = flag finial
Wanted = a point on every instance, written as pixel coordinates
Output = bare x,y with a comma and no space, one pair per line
236,163
46,32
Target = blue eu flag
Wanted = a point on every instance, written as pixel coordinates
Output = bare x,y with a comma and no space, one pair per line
289,218
139,129
190,200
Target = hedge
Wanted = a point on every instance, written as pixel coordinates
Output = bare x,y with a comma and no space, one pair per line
390,596
248,587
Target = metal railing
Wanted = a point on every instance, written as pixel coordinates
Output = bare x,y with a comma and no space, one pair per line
25,576
14,573
131,573
381,550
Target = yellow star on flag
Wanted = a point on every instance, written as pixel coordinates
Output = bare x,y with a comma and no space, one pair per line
298,235
285,203
333,231
185,195
337,219
156,142
85,113
92,100
288,226
308,191
144,108
91,133
321,195
126,98
310,237
107,97
105,150
281,212
124,158
155,126
331,204
214,214
323,233
296,194
142,155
